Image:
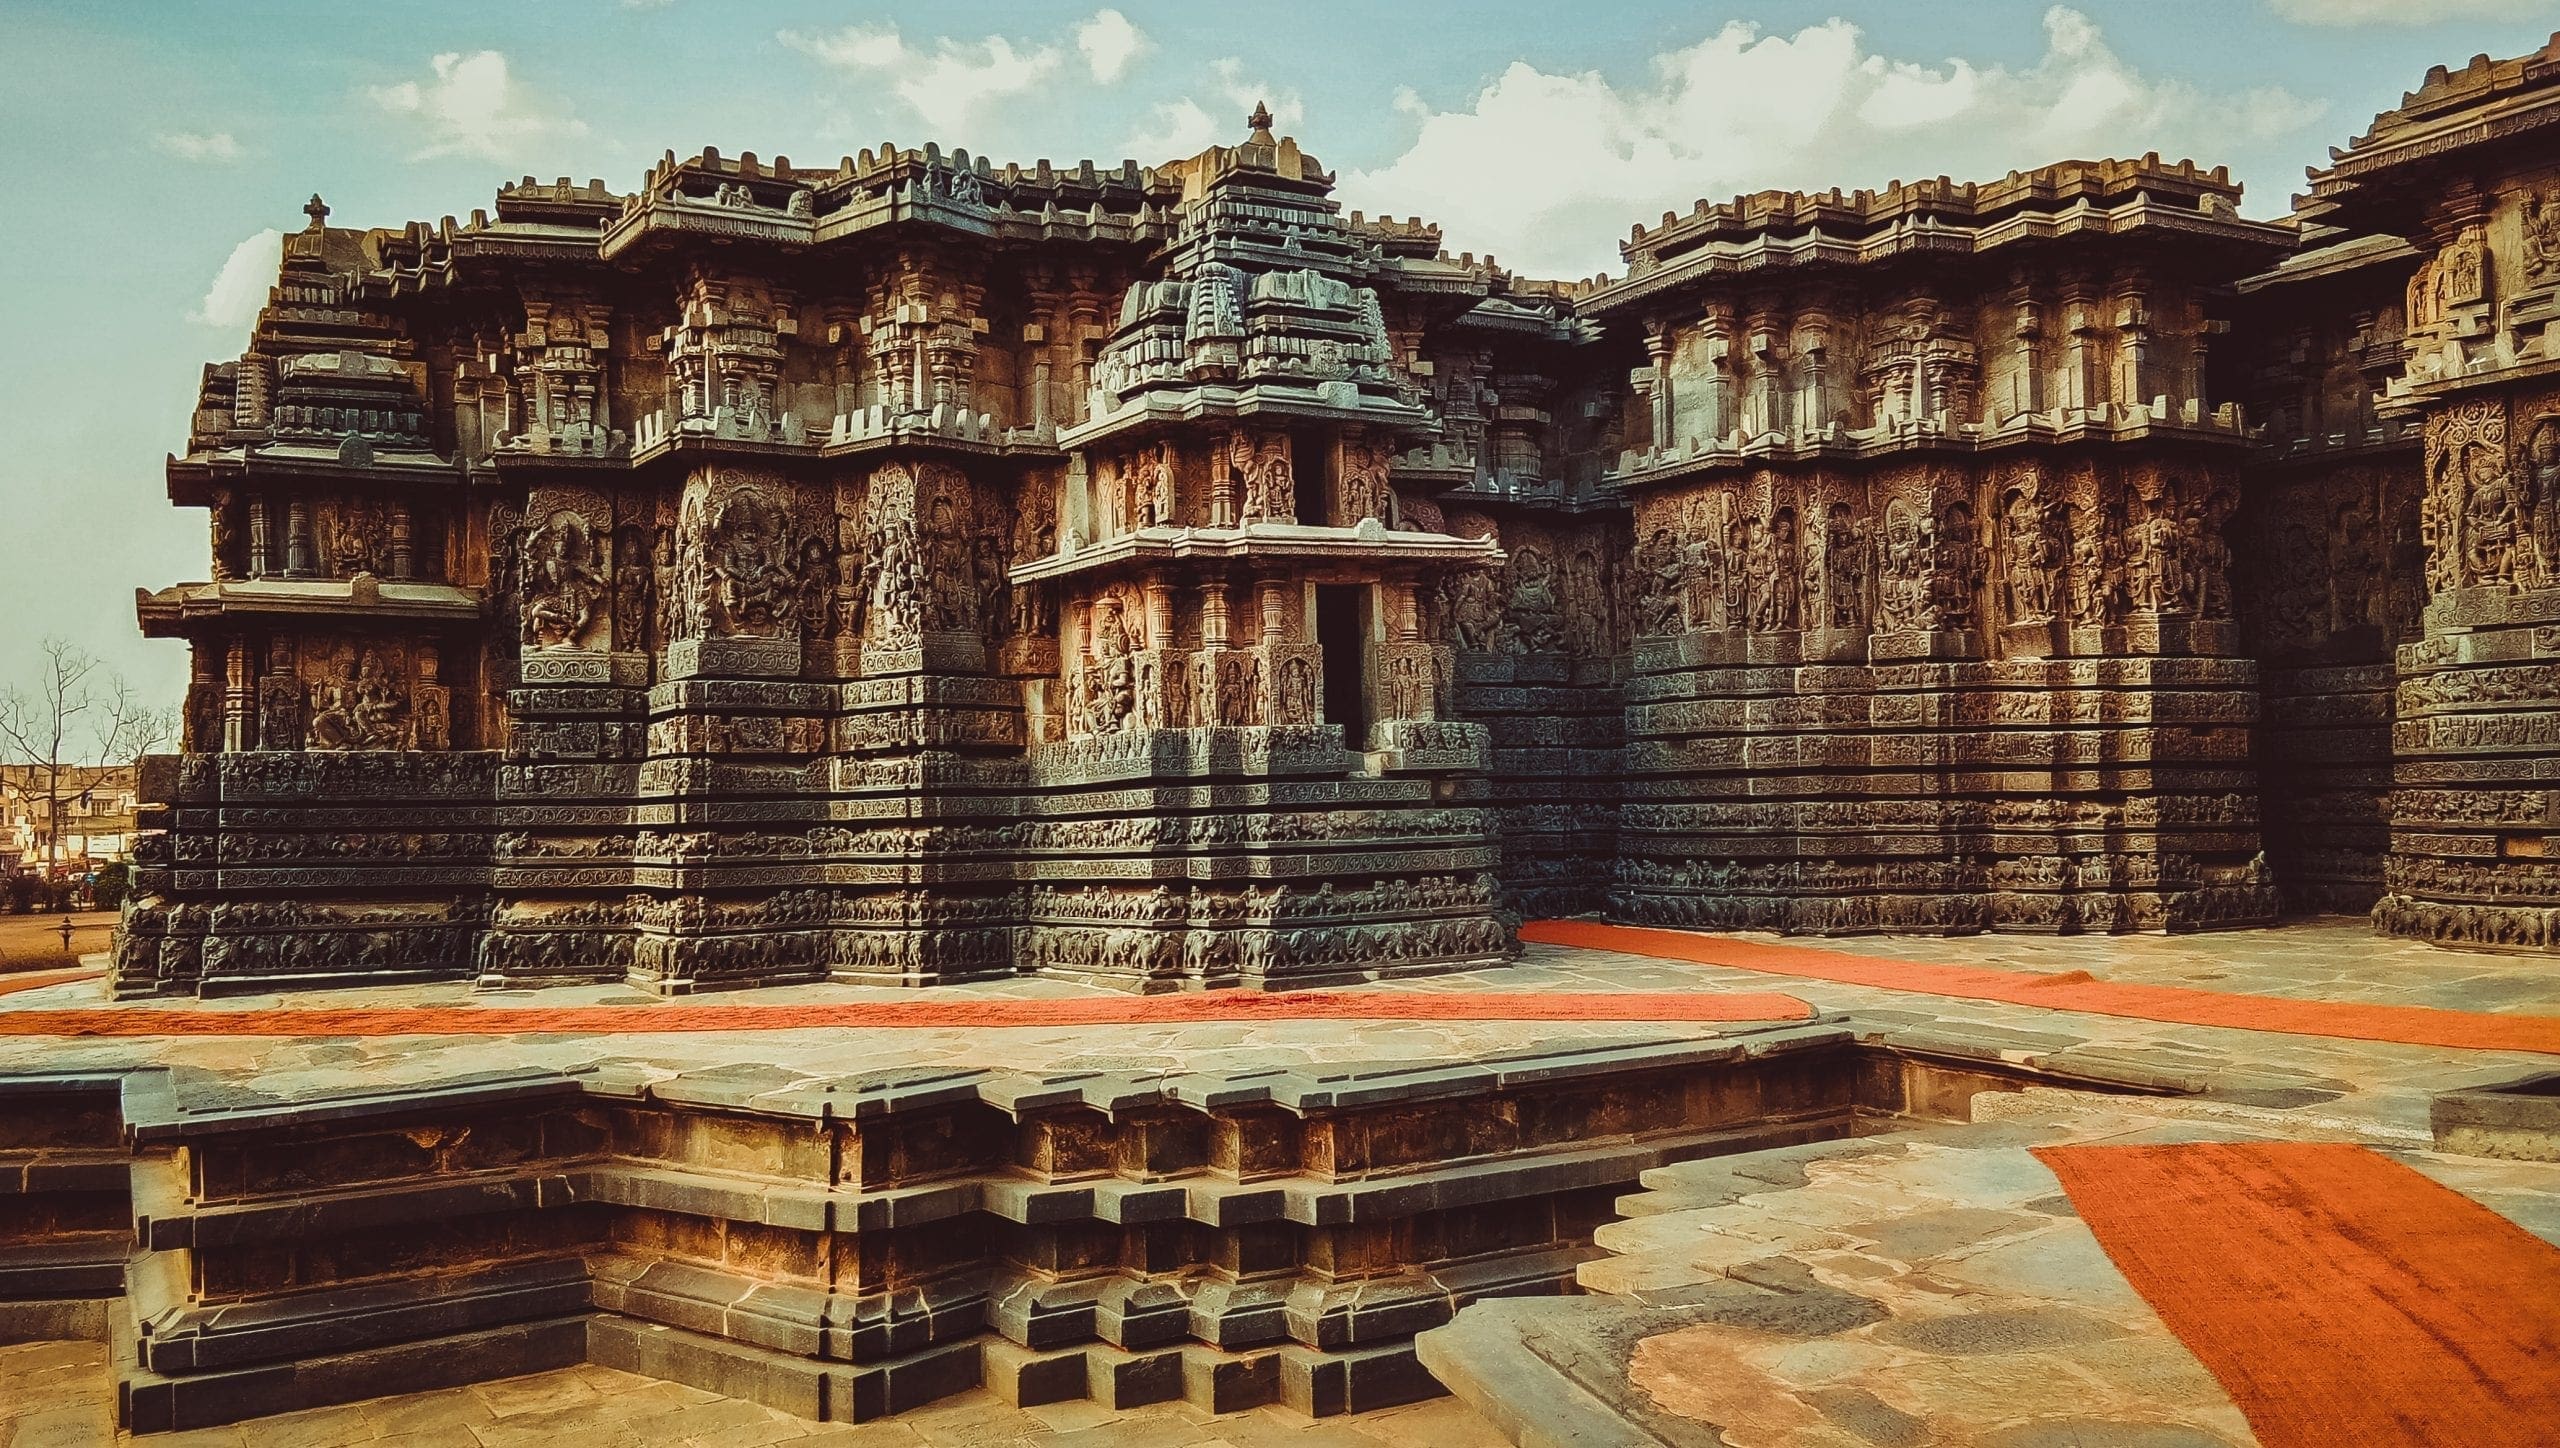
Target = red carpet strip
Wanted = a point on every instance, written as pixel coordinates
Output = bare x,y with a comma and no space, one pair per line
2340,1297
2073,991
1212,1007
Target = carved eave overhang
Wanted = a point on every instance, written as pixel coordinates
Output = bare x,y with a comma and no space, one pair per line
1368,547
2188,210
1507,489
191,607
2389,436
944,429
1501,317
481,252
2407,397
1162,409
2388,177
2383,256
2114,424
193,478
732,201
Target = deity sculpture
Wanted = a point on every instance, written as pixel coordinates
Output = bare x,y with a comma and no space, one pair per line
2034,564
751,568
2492,523
1659,567
631,583
2542,481
562,590
1844,570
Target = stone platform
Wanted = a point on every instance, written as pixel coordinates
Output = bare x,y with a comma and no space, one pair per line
852,1224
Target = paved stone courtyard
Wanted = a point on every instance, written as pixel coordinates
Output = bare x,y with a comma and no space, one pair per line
1927,1285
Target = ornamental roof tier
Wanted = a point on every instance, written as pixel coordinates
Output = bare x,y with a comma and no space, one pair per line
2066,201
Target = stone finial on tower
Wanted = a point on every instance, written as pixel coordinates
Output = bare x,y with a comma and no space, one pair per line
317,210
1260,120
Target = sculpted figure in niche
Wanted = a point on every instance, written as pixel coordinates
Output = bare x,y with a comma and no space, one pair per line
1114,685
2493,522
563,591
1155,486
1787,586
631,580
2093,589
1410,696
226,538
280,696
750,557
1586,623
2153,572
994,596
817,576
1844,569
357,543
2542,472
364,712
896,611
1533,623
1664,581
1298,692
1365,490
2436,513
1704,570
2541,217
1270,486
951,591
2035,563
2206,572
693,573
1478,612
1956,585
1905,596
662,570
1733,576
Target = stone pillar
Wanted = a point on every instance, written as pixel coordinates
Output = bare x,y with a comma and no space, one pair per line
1657,351
235,697
1275,610
1213,615
297,538
402,560
2026,332
259,545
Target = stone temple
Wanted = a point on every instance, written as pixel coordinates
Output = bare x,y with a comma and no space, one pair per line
914,569
1095,597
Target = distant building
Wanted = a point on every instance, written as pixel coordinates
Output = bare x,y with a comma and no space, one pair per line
94,822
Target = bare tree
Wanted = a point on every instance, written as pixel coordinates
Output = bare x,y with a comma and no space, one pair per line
56,736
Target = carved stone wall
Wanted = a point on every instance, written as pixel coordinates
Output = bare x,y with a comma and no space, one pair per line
914,569
1979,734
2461,176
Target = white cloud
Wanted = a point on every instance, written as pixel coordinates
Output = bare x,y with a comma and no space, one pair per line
2344,13
1547,171
1184,127
241,287
474,107
213,146
950,87
1110,45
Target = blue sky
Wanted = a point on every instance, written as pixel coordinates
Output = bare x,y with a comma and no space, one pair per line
149,145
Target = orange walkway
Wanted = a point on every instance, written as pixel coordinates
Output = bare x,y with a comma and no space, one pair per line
936,1011
2340,1297
2072,991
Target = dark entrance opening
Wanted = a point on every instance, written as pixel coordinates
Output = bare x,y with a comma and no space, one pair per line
1311,468
1342,634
